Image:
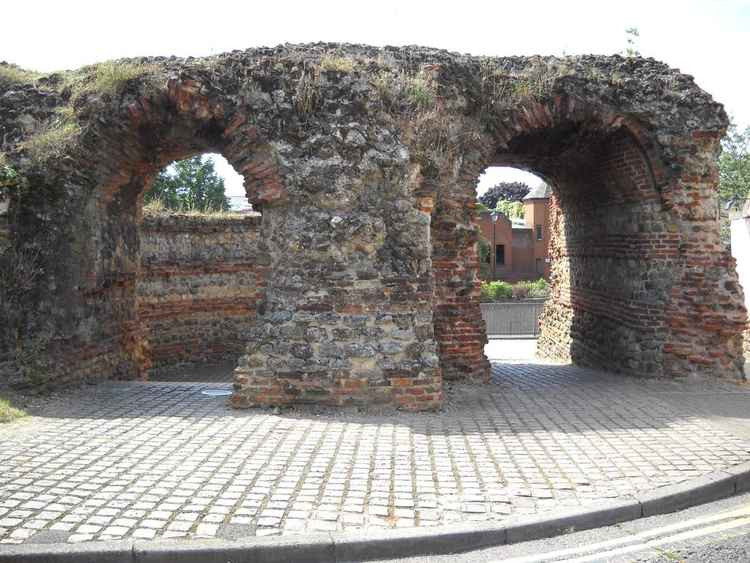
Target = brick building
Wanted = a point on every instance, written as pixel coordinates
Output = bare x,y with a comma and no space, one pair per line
518,247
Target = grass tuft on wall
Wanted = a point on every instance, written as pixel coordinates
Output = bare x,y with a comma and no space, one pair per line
110,78
9,413
54,137
11,75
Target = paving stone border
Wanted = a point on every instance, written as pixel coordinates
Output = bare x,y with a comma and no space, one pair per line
325,548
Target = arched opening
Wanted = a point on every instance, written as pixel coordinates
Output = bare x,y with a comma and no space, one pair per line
113,273
612,248
513,217
513,210
198,283
612,259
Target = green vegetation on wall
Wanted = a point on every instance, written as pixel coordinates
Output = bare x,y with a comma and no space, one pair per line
9,413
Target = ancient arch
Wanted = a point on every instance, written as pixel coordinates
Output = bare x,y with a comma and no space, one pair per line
363,162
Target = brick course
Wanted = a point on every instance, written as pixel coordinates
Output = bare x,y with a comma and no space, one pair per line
198,287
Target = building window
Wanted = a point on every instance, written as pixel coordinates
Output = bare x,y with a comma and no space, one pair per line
500,254
538,232
539,266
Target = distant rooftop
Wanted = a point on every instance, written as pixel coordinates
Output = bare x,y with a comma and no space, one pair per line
541,191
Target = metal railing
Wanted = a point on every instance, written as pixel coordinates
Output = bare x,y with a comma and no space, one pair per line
512,318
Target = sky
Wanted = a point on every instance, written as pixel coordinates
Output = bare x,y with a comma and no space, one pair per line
708,39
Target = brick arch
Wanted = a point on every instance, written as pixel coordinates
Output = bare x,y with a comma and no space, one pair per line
173,124
622,293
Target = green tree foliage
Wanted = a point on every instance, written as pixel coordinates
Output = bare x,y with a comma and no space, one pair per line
508,191
734,176
734,167
511,209
191,184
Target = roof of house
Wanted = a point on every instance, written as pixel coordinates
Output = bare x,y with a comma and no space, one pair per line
541,191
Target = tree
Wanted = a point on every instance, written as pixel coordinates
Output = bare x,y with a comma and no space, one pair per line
511,209
507,191
734,167
734,176
190,184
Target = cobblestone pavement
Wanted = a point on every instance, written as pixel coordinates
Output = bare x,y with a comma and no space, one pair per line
148,460
213,373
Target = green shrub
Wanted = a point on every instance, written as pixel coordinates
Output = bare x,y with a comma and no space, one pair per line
495,291
499,290
524,289
539,288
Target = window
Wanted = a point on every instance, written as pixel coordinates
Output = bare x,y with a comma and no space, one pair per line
538,232
500,254
540,266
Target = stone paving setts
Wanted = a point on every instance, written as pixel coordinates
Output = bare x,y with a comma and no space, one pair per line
150,460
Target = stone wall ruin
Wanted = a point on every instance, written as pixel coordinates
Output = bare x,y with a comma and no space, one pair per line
364,163
198,286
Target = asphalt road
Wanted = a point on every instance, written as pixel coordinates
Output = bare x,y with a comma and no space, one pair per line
717,532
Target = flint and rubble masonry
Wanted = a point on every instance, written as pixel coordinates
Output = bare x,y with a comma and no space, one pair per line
198,287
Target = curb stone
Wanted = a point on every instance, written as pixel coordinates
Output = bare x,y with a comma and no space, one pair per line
392,543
